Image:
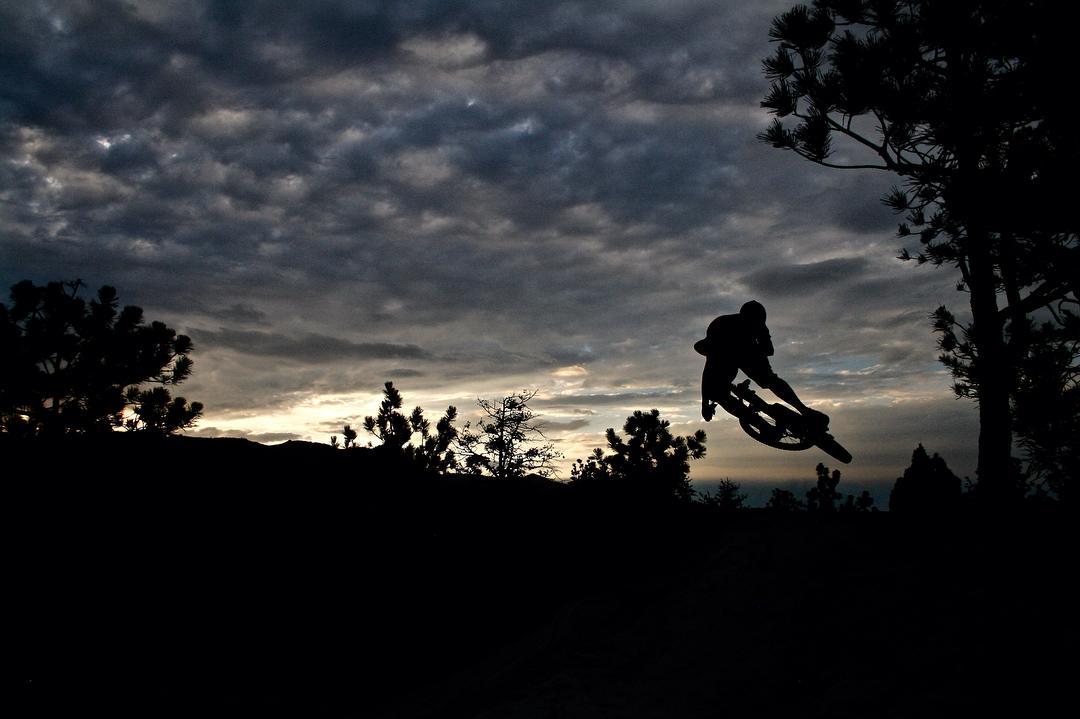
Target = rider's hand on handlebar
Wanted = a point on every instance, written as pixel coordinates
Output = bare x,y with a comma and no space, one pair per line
708,409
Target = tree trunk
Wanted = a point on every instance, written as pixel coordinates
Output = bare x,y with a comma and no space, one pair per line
993,373
992,365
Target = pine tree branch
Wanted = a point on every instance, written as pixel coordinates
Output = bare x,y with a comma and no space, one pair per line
825,163
1042,296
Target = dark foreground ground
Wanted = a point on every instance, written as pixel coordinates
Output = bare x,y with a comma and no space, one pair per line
224,578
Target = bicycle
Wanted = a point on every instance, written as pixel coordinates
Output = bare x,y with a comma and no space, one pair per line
777,425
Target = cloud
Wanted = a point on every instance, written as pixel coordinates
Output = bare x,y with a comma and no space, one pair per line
569,426
261,437
446,50
396,374
306,348
237,313
638,399
799,280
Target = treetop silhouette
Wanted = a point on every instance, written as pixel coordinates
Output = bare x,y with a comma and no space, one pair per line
390,426
507,441
68,366
395,430
728,496
784,500
823,497
649,454
927,486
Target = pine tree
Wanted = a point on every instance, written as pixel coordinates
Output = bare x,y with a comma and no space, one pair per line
928,485
68,366
650,455
395,430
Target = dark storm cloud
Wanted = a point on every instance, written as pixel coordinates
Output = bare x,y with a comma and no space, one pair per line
306,348
403,373
83,64
574,424
544,154
803,279
238,313
629,398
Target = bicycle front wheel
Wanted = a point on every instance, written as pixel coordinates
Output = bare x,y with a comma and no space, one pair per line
766,430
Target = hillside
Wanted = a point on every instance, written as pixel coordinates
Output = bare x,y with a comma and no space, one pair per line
225,577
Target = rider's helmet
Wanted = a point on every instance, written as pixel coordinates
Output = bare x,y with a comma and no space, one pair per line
753,311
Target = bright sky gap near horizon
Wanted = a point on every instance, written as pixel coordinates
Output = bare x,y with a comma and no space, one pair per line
467,198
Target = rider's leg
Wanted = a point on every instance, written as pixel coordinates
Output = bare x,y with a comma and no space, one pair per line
715,382
784,391
759,370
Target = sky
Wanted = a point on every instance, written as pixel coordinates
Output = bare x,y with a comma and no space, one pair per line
468,198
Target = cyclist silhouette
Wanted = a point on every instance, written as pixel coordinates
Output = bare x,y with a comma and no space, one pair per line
742,342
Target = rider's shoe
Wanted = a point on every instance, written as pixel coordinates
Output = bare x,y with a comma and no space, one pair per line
819,419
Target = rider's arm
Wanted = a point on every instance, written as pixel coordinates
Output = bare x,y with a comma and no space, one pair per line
766,344
707,409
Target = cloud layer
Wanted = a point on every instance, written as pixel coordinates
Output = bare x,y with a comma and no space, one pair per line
467,197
